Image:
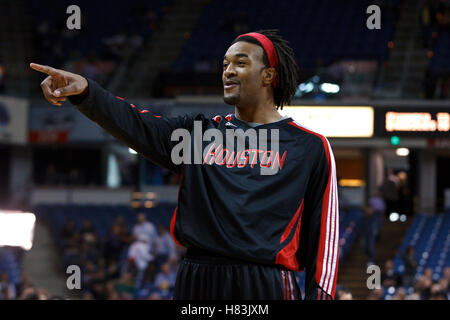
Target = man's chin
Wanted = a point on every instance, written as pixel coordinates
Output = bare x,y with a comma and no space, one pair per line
231,100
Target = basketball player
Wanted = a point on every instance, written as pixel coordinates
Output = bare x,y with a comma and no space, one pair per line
246,233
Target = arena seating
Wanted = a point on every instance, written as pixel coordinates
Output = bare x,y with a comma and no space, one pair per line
102,217
430,238
103,20
10,263
323,28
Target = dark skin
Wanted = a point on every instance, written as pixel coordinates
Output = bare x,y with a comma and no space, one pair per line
247,83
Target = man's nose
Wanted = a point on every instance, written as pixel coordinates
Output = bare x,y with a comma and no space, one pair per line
229,71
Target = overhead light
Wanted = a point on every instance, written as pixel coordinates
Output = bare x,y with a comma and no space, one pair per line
306,87
393,216
329,87
403,217
402,152
131,151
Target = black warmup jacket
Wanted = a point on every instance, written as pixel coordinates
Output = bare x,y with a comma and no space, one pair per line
225,204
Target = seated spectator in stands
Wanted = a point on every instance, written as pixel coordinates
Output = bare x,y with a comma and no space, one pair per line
413,296
149,274
165,279
69,233
410,263
124,232
343,294
110,291
154,296
89,252
164,246
437,292
389,278
7,287
112,271
428,273
114,244
87,232
91,273
23,284
139,256
423,287
400,294
33,293
376,294
145,228
87,295
125,286
98,290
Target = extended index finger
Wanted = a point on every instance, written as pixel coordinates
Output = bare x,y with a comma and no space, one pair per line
45,69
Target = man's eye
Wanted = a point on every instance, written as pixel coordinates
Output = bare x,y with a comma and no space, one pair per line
241,63
225,65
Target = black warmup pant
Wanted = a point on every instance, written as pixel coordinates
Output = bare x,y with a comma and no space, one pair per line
205,276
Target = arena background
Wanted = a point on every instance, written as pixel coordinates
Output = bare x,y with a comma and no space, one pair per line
70,194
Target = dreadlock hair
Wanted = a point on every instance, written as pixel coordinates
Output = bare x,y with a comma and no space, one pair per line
287,71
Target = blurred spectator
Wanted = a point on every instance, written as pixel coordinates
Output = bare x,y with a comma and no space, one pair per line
437,292
145,229
374,213
23,284
370,233
343,294
125,286
378,205
404,194
34,294
165,280
400,294
389,190
110,291
164,247
114,244
139,256
7,287
376,294
423,287
410,263
87,232
69,233
389,278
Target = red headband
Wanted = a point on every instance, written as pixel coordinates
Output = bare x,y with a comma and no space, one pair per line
268,48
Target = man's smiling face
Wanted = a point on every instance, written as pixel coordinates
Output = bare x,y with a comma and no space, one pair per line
242,73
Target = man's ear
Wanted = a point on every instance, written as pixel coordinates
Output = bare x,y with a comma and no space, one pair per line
269,75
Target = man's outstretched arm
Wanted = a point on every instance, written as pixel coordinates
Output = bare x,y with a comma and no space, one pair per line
138,128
